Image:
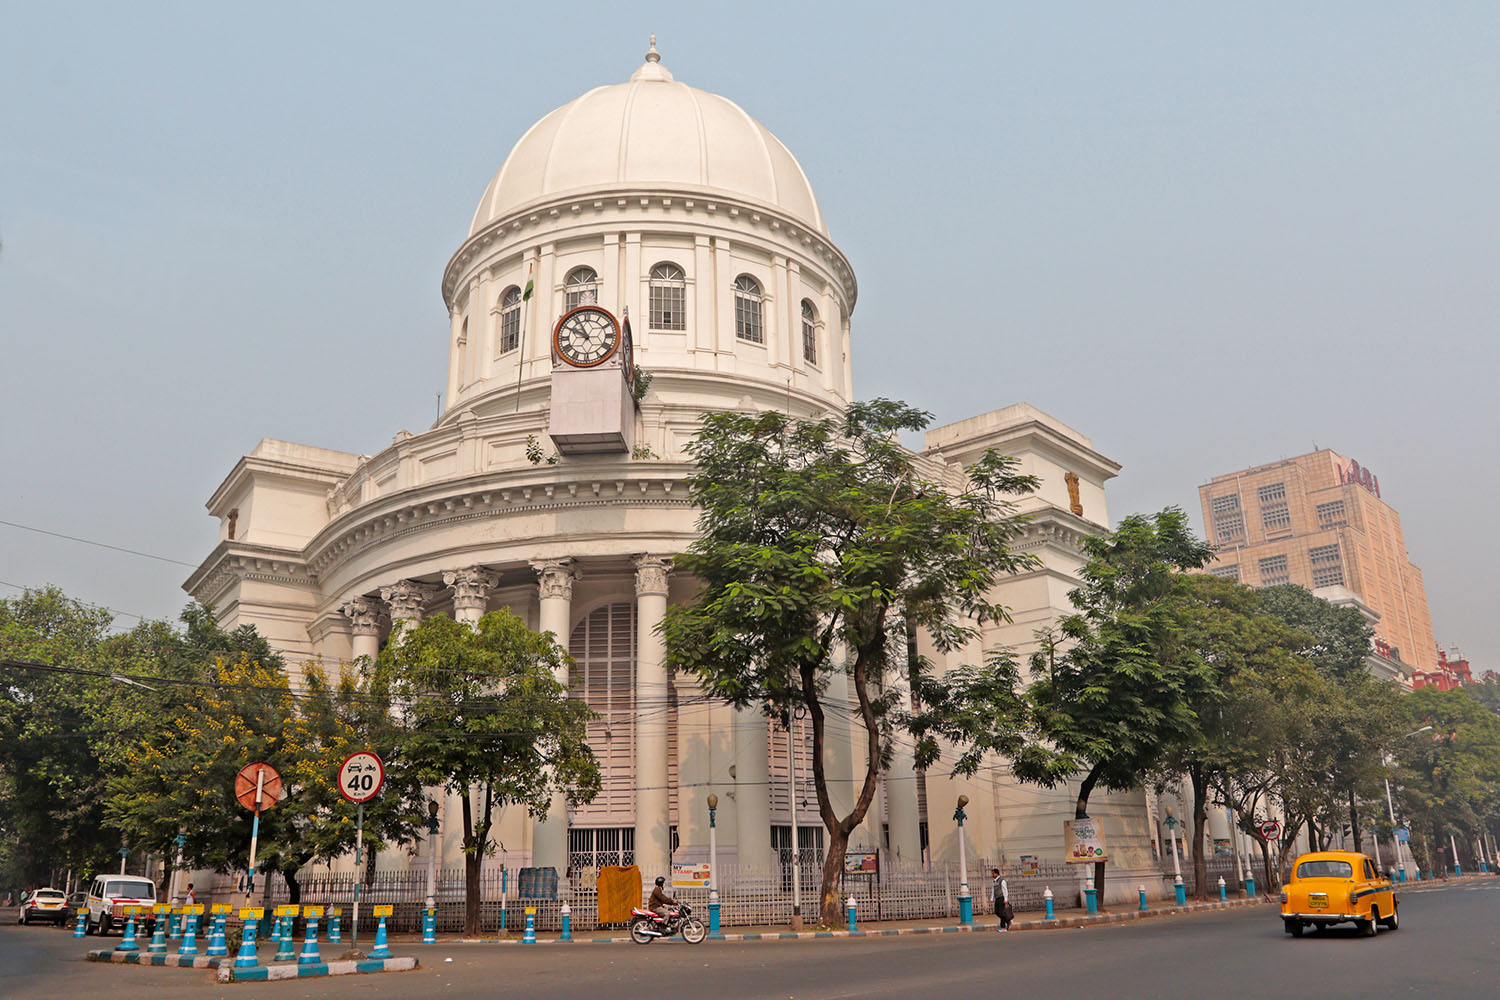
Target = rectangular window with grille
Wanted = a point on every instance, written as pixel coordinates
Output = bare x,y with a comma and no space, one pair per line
1231,572
1274,515
510,328
1333,514
668,305
747,320
603,651
1273,571
592,848
1229,519
1327,566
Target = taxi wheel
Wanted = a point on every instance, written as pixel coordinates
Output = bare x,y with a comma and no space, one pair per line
1294,927
1393,921
1367,927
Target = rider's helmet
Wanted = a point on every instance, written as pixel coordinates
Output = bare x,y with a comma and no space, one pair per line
660,881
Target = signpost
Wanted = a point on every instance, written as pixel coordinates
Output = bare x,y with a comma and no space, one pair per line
361,777
258,787
1271,830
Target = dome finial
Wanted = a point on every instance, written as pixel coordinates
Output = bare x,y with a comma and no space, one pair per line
652,69
653,56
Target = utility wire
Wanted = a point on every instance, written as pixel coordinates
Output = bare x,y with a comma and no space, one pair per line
102,545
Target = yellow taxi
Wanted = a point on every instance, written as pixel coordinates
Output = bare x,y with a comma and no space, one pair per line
1336,887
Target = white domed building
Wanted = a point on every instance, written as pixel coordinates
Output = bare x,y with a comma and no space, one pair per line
673,207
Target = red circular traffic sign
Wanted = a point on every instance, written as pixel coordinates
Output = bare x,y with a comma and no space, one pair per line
361,776
1271,830
269,780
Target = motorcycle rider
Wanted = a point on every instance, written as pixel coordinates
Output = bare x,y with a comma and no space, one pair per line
660,900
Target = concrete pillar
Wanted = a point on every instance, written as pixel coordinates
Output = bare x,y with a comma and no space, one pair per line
549,836
471,589
752,796
838,732
652,820
364,617
901,792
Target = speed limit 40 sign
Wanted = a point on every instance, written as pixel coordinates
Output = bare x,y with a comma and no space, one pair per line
360,776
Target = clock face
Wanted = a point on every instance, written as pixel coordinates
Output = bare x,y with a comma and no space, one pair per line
586,336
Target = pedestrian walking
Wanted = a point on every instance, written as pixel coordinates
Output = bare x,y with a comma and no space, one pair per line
191,899
1003,909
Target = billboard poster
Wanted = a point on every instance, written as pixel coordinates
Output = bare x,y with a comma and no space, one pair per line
1029,864
1084,840
690,876
861,863
1221,847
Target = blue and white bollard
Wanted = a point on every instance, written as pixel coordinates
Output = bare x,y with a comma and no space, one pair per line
1401,875
381,949
429,926
275,937
127,941
189,944
1090,897
286,946
1047,898
333,926
714,932
217,945
1250,886
80,929
567,923
530,936
174,924
1457,868
853,924
246,958
1142,889
310,954
158,943
966,910
1223,890
1180,892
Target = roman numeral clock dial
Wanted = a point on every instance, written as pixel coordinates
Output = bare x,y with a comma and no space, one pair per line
586,336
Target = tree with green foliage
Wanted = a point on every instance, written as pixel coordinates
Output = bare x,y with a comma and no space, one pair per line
821,544
1115,684
483,715
182,777
1448,776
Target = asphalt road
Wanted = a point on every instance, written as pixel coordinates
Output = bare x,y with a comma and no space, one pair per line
1446,947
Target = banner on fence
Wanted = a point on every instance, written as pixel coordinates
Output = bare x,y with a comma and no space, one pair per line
1085,841
1222,848
690,876
862,863
1029,864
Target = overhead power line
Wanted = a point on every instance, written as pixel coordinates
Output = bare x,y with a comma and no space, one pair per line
102,545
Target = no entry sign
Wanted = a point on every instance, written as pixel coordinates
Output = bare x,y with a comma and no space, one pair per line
360,776
1271,830
263,777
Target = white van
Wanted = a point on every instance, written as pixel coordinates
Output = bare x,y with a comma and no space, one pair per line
111,892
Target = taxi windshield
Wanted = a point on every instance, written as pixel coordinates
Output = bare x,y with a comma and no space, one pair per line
1325,869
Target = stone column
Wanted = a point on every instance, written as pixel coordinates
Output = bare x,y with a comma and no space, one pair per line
752,796
471,589
653,833
901,795
364,616
549,835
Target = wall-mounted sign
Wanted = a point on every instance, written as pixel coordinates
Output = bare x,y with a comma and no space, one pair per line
1353,475
1085,842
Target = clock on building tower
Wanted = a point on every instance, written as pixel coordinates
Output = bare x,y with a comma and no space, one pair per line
593,410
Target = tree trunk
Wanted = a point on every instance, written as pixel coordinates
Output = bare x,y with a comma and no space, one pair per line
1081,811
1354,822
1200,826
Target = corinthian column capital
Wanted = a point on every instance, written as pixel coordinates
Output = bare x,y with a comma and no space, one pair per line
651,573
471,587
406,598
363,614
555,578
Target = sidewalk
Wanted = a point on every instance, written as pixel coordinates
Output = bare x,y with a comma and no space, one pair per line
1067,918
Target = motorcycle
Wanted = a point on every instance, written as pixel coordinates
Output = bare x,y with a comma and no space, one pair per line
646,926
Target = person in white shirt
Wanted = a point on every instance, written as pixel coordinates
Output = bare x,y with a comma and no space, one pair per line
1003,909
191,899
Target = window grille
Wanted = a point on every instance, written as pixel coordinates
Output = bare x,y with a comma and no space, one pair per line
1231,572
510,320
747,310
1274,515
809,333
807,796
1273,571
1229,519
668,297
1332,514
581,287
590,849
1272,493
603,651
1327,566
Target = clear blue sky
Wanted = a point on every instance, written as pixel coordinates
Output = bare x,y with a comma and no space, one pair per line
1207,235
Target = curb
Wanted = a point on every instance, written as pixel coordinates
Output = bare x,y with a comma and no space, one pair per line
265,973
1059,923
148,958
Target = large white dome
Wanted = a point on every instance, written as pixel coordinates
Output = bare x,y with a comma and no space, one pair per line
651,132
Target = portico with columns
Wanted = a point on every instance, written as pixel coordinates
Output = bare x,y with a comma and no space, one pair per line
672,203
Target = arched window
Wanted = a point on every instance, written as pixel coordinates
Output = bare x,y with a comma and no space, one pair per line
809,333
668,297
747,310
582,287
510,320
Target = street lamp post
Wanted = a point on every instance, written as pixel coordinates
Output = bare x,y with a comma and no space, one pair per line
1179,889
791,800
965,901
1391,811
124,853
429,919
713,869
